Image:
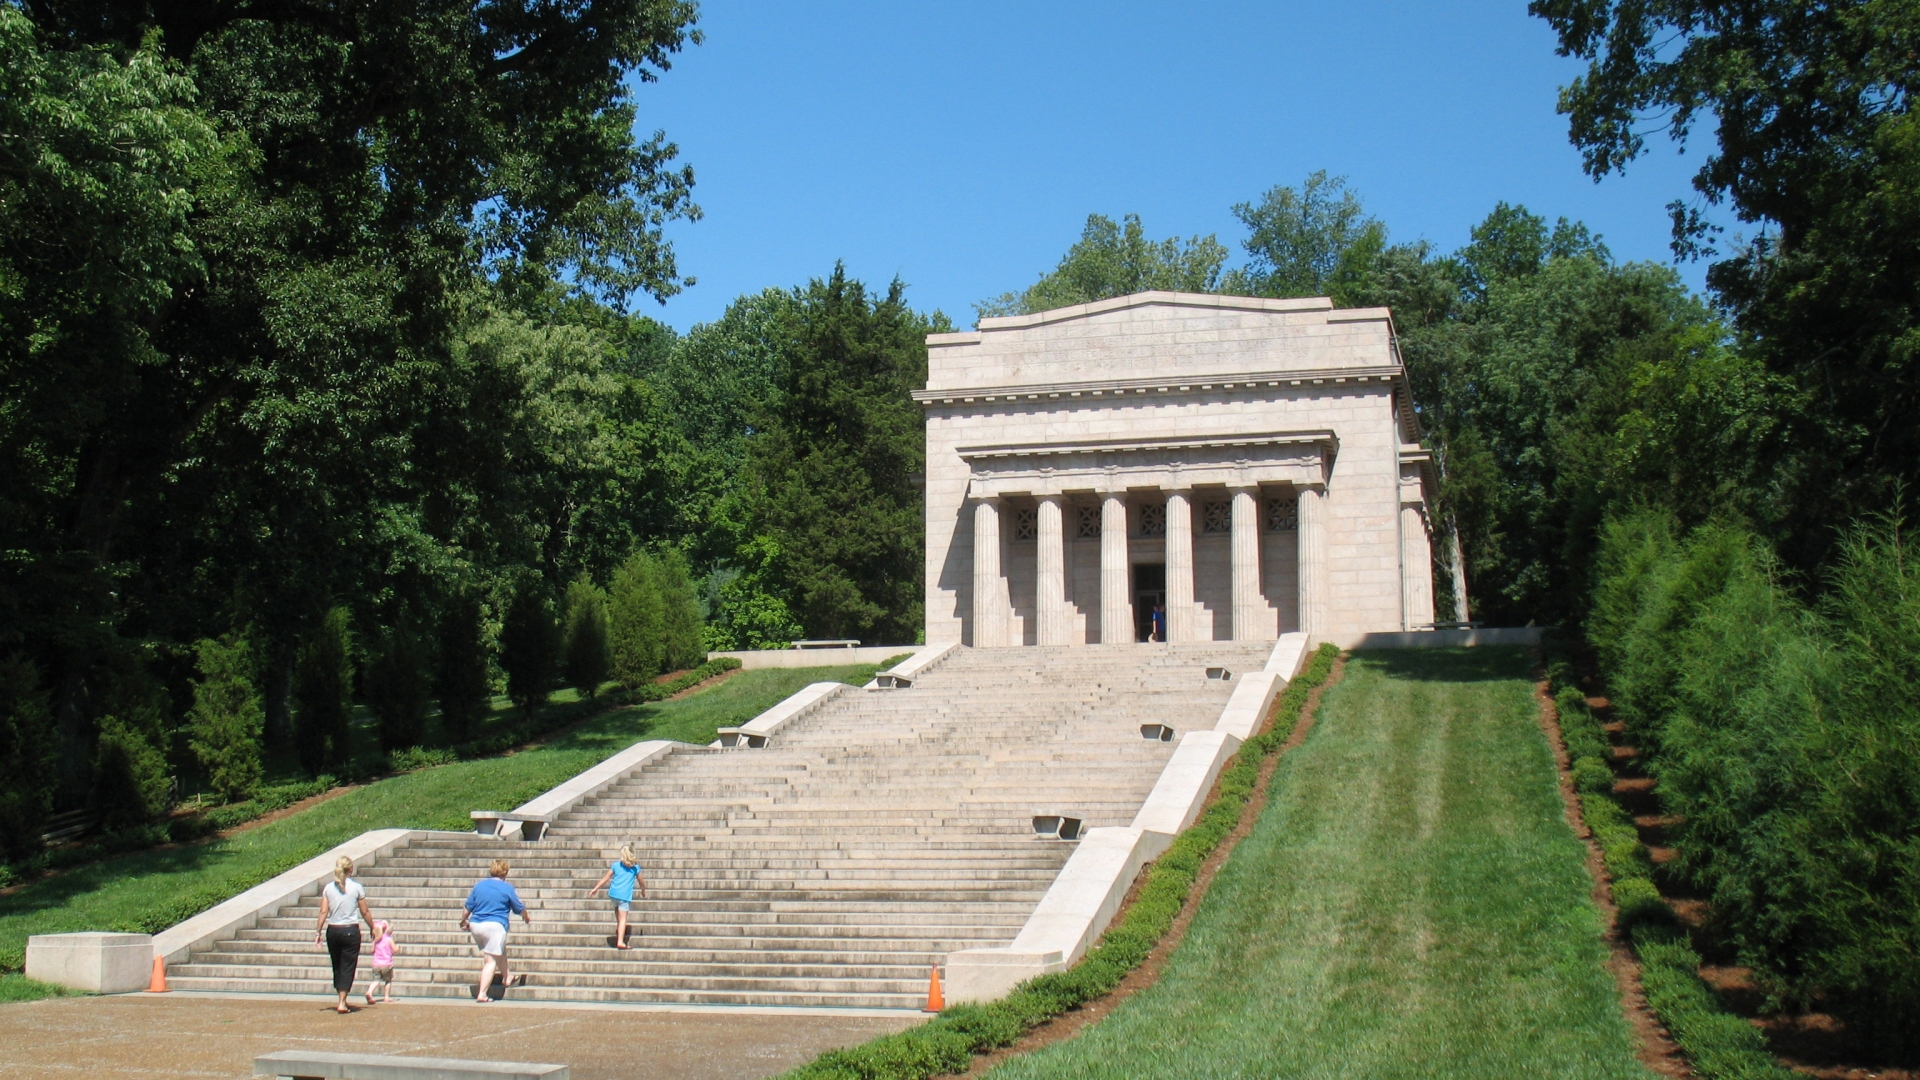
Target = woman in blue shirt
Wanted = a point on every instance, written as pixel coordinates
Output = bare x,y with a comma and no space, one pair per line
489,906
623,876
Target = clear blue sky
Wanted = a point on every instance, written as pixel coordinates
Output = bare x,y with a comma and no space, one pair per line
962,146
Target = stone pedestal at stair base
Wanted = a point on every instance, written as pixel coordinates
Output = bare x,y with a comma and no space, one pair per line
1081,902
98,963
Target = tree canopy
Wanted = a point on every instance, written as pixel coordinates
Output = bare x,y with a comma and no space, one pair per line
1115,260
1814,143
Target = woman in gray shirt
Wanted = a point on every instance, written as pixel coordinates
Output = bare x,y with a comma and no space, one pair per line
343,903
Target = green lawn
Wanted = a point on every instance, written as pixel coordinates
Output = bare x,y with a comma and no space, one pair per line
150,890
1410,904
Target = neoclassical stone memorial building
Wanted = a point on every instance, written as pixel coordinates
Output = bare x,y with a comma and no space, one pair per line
1252,464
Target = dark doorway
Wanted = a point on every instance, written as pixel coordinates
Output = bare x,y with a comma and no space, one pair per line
1149,589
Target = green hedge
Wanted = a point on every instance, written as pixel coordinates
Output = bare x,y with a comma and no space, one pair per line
947,1043
1720,1045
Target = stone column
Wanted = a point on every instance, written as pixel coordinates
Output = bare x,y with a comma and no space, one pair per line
1249,610
1313,559
1116,606
1416,567
1179,566
989,588
1050,577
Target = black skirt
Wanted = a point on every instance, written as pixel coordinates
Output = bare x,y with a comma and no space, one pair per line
343,947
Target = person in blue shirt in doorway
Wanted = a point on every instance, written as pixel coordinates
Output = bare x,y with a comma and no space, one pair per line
622,875
491,903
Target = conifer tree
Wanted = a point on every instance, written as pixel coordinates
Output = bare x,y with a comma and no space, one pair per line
637,621
397,687
460,678
130,781
681,646
322,689
528,644
26,759
226,720
588,659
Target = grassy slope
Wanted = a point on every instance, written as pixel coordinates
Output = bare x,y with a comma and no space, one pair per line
1411,903
148,890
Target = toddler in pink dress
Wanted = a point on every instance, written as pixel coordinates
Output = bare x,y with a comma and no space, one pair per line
382,961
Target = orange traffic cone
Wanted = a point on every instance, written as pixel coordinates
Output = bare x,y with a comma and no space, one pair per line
935,1002
159,983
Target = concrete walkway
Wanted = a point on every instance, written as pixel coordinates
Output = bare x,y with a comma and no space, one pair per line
177,1035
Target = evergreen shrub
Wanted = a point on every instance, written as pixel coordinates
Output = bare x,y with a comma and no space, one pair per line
226,720
322,701
529,646
1590,774
589,659
1789,748
637,620
130,783
1638,901
419,757
1721,1046
682,643
460,671
398,687
26,759
555,717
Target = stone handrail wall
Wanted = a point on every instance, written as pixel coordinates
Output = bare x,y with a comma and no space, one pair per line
267,899
1087,894
571,793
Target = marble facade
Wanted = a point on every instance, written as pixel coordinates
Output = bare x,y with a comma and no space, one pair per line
1253,464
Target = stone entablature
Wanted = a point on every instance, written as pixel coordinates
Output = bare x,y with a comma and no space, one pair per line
1251,463
1291,458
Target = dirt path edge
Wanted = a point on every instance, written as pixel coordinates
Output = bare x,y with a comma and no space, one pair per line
1655,1045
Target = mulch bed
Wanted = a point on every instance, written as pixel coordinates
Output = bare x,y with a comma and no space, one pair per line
1069,1024
699,686
1657,1049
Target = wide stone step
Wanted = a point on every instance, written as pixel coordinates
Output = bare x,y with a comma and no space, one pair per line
664,996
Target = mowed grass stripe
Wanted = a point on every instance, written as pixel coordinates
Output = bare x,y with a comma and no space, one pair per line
1411,903
150,890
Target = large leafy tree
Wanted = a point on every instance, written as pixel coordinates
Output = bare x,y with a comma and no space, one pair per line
1115,260
1314,241
237,379
1813,141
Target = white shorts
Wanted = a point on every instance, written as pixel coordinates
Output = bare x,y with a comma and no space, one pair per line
489,937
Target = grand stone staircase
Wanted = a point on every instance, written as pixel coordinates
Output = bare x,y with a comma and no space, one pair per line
832,867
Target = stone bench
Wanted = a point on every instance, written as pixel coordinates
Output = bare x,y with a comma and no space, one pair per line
302,1064
532,826
733,736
